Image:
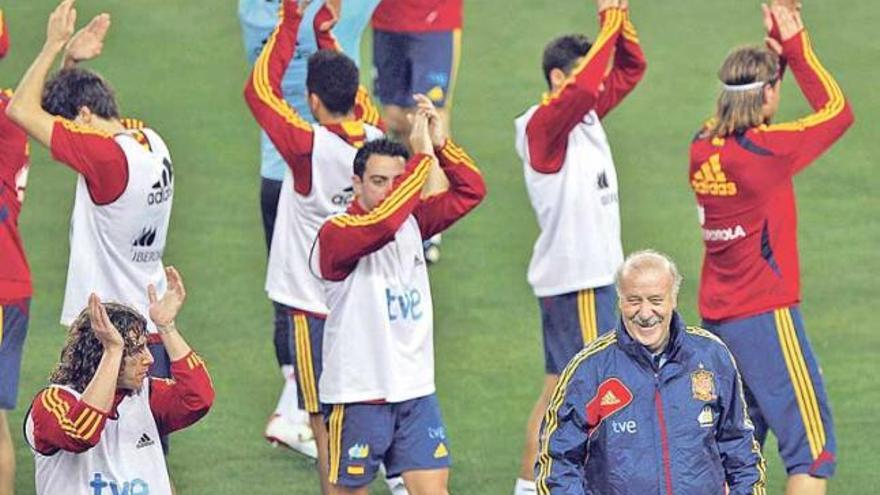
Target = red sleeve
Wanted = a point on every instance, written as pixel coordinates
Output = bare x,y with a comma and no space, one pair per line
345,239
802,141
4,36
62,422
629,67
95,155
364,108
290,133
466,190
185,398
548,129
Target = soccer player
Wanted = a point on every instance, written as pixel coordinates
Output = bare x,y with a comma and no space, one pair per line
316,182
378,375
417,50
653,407
15,277
572,184
741,170
94,429
288,424
126,182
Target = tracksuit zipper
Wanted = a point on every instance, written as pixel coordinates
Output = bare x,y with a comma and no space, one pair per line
664,439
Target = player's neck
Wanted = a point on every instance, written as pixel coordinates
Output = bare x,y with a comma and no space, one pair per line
111,126
327,118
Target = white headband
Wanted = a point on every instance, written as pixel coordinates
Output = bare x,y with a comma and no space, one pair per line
743,87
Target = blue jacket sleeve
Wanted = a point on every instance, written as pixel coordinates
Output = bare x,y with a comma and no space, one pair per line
744,466
564,439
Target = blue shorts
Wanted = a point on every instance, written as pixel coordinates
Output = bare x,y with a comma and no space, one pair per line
161,368
13,330
572,320
784,388
410,63
405,436
305,339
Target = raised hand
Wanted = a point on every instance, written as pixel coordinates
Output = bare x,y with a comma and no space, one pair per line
788,20
419,136
769,24
103,328
61,24
88,42
164,310
301,6
436,129
328,15
607,4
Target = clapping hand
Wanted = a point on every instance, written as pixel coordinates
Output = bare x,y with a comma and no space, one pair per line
88,42
164,310
104,330
61,24
436,129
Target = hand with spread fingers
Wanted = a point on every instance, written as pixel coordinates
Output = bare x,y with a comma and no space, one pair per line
163,311
788,20
329,14
88,42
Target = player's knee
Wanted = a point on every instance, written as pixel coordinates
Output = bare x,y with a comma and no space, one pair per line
396,120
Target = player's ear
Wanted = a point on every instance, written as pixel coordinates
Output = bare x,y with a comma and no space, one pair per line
84,115
557,77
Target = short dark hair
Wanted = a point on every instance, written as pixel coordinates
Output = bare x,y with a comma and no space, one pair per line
71,89
334,78
384,147
563,52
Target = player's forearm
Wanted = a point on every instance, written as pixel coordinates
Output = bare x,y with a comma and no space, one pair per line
324,37
466,190
24,108
182,401
101,389
174,343
817,84
4,36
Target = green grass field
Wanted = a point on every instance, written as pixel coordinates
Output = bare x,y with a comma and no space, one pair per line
180,67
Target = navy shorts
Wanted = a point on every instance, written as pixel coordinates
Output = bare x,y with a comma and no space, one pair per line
405,436
13,330
161,368
410,63
305,338
573,320
784,388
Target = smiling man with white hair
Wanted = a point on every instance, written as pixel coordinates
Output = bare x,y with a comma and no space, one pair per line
654,404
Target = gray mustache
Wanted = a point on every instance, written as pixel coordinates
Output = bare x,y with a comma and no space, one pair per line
648,322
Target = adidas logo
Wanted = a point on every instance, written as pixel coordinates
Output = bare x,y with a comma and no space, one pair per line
710,179
144,441
162,188
167,175
146,239
609,399
602,181
343,198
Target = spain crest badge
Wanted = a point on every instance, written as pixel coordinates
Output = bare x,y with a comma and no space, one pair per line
703,384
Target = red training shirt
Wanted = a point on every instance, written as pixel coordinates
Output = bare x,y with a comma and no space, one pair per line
15,275
418,16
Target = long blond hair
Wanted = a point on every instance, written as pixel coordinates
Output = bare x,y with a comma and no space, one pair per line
738,111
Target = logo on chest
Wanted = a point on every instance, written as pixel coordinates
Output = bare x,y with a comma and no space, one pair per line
343,198
611,396
136,486
703,384
404,304
162,190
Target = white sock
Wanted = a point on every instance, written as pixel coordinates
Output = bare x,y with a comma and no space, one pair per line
396,485
287,407
524,487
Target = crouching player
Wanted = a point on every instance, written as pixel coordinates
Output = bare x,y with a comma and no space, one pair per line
97,424
378,353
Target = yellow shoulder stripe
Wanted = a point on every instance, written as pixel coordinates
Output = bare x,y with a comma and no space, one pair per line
611,25
80,129
832,107
409,187
264,89
551,417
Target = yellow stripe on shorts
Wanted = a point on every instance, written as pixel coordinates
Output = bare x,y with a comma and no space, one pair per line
335,433
801,381
305,370
586,300
2,317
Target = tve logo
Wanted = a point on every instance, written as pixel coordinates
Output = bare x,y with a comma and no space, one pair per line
405,305
629,426
136,486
